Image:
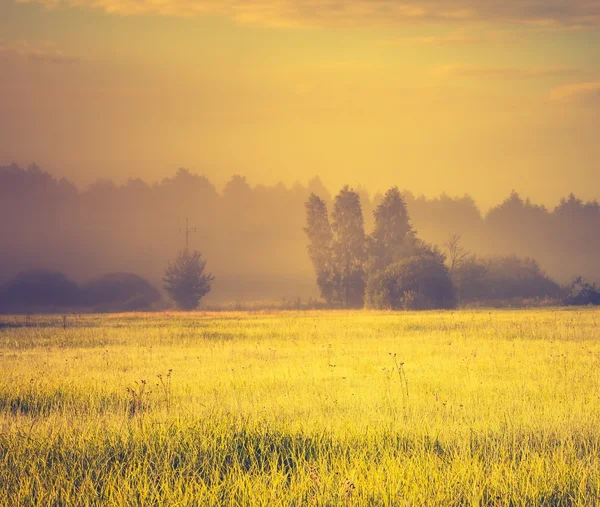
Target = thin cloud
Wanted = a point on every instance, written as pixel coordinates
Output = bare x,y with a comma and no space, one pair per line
577,93
473,35
474,71
358,12
34,52
456,38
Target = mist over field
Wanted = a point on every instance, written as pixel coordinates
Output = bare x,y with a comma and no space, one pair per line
252,236
484,115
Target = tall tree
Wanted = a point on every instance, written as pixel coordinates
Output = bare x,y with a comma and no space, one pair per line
392,236
320,239
349,248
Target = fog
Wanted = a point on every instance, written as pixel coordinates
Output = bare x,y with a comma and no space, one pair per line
252,235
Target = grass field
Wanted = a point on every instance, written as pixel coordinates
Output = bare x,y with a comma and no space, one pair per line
323,408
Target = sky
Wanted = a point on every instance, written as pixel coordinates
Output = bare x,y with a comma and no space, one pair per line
456,96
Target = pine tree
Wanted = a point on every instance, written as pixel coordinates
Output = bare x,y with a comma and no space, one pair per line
185,280
393,237
349,252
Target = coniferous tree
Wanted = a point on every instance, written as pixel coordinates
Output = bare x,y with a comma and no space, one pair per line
393,236
185,280
320,239
349,248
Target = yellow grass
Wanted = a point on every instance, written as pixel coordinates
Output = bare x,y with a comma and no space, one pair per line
318,408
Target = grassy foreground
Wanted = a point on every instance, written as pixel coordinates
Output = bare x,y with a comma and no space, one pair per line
331,408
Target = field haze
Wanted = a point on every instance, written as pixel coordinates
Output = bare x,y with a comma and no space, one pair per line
301,408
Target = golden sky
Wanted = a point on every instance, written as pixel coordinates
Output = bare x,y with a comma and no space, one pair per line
477,96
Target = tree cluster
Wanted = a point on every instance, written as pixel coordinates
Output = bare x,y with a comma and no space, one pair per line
41,290
390,268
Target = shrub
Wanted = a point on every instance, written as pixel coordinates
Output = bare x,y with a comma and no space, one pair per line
471,279
417,283
508,278
514,277
38,289
581,293
119,292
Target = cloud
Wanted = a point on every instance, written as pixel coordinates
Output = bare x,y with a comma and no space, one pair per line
455,38
474,35
475,71
34,52
358,12
577,93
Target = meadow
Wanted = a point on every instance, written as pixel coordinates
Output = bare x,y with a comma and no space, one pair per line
478,407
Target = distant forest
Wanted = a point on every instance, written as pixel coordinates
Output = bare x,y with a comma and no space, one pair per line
253,236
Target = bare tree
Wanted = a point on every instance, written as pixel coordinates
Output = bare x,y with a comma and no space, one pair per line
457,254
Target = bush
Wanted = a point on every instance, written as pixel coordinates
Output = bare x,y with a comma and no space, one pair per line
514,277
471,279
508,278
38,289
119,292
581,293
417,283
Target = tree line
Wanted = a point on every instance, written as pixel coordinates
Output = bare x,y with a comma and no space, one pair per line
253,236
391,268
